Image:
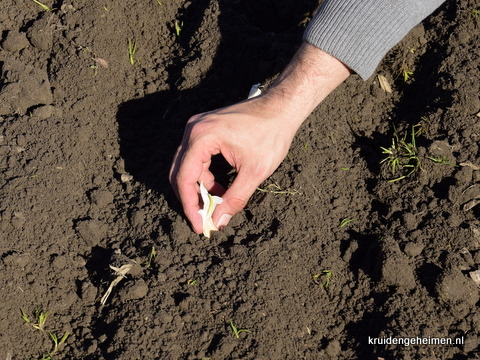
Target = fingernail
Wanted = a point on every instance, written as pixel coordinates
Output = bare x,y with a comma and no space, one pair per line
223,221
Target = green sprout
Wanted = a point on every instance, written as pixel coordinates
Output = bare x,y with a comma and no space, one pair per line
95,69
57,343
192,282
277,190
406,72
40,318
132,49
403,154
151,256
236,331
441,160
325,273
475,13
178,27
346,221
159,3
44,7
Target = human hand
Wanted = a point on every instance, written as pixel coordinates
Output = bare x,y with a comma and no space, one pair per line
253,136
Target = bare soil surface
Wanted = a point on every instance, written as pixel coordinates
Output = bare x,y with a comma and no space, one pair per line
327,256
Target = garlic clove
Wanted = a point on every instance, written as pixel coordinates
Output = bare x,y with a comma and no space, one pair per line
209,204
255,91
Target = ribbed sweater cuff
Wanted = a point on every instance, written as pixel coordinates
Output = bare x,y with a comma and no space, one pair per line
360,32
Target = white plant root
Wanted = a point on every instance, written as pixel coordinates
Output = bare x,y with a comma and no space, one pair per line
120,272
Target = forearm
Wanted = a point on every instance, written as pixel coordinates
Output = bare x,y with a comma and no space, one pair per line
307,80
359,33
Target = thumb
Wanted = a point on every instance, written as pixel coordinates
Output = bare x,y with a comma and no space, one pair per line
234,199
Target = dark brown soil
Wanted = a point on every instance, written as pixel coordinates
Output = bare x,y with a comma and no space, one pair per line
85,151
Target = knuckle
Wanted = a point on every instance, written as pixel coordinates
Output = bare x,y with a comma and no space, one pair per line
238,202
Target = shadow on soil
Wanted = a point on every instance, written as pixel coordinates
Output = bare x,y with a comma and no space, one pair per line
254,46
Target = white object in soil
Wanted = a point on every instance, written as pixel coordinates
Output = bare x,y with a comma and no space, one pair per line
209,204
255,91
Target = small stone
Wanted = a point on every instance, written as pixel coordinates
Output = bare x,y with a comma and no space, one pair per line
126,178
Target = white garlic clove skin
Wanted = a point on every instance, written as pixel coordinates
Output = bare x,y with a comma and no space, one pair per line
209,204
209,227
255,91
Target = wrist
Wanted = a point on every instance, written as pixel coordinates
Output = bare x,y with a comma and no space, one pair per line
306,81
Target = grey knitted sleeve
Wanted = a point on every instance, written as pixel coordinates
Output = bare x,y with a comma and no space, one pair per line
360,32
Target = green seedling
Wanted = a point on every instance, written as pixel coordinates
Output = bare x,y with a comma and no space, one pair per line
40,318
325,273
236,331
178,27
277,190
345,168
403,154
95,69
192,282
132,49
151,257
105,8
407,74
475,13
441,160
57,343
159,3
44,7
346,221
